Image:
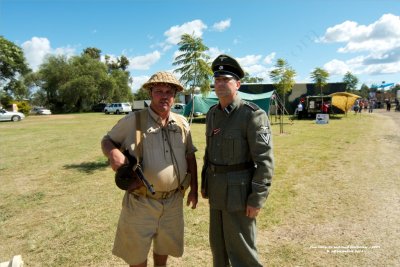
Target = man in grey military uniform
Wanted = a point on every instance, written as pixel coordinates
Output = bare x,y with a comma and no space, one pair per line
238,168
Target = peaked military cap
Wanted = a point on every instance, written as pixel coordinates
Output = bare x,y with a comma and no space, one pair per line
227,66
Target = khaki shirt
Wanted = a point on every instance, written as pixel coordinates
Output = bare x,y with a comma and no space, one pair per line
162,147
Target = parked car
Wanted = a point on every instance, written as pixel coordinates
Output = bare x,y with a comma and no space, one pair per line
118,108
178,108
40,111
99,107
10,115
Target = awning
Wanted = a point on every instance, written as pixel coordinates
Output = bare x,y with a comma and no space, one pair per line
343,101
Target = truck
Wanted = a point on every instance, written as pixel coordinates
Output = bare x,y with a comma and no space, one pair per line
317,104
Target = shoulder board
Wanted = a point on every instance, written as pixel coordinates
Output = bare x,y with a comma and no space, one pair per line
251,105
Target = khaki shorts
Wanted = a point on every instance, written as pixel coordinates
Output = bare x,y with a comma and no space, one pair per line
144,220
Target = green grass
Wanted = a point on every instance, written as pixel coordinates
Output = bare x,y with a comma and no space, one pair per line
60,206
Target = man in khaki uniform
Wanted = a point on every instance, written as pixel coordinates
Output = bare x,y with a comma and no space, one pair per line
238,167
166,154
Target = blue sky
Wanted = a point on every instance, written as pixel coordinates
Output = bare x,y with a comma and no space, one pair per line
338,35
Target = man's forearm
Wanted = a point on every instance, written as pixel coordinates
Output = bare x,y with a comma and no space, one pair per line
107,146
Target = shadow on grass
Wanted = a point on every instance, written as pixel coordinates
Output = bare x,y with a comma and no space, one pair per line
88,167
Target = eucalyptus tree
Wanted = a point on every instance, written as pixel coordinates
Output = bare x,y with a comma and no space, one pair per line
320,78
282,77
194,67
53,73
248,79
13,66
92,52
364,91
351,81
75,84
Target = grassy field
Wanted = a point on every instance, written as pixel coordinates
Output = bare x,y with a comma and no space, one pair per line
59,204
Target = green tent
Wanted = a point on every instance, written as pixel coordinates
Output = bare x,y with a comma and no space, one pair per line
203,103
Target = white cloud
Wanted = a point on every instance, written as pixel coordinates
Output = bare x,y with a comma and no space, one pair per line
214,52
35,50
259,71
144,62
138,81
255,69
249,60
344,32
194,27
38,48
222,25
66,51
268,59
382,35
336,67
378,42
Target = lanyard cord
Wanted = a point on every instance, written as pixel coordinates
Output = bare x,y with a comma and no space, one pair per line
165,131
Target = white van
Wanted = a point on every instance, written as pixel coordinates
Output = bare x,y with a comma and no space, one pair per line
118,108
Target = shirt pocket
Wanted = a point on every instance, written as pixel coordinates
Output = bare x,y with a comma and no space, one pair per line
177,140
232,146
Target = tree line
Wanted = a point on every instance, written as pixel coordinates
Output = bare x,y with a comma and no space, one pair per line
77,83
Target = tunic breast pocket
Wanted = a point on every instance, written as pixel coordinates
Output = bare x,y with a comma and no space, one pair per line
232,145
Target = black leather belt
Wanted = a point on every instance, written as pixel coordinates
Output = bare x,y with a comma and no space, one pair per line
230,168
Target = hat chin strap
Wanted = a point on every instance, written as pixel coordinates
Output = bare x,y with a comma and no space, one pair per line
224,73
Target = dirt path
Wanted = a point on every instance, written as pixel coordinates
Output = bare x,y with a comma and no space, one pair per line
355,203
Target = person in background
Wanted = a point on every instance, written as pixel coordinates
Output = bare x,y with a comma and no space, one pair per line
238,168
361,106
371,105
300,110
166,153
325,108
356,106
388,105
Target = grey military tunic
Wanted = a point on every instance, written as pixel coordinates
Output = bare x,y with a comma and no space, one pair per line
237,171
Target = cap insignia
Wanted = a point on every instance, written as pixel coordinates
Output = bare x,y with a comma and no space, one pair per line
221,67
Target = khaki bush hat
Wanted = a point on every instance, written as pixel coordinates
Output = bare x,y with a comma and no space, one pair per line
163,77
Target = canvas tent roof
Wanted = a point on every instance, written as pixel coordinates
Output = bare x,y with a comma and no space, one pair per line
343,101
203,103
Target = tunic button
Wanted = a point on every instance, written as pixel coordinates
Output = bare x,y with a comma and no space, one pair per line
166,151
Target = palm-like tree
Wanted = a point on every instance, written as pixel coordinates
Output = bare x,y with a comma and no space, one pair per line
283,78
194,67
320,78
